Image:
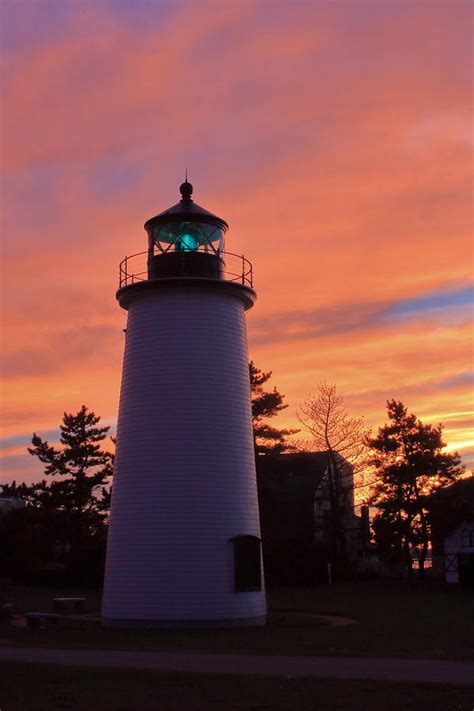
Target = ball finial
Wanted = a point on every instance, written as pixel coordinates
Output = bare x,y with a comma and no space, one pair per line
186,190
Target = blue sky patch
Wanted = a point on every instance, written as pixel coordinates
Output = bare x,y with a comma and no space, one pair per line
441,299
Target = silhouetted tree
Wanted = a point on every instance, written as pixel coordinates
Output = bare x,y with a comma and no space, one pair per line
267,404
81,469
410,464
344,439
15,490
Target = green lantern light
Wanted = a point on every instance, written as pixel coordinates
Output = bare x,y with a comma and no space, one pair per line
186,243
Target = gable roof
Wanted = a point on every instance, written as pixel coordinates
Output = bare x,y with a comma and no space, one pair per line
295,474
450,506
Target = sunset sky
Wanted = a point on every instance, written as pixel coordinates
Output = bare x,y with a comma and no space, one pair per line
334,137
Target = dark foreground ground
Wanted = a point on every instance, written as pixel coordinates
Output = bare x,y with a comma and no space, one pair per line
393,619
44,688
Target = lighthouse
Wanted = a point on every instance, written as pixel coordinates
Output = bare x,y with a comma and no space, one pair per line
184,546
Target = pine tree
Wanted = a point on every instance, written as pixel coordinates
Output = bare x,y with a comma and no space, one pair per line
81,469
267,404
410,464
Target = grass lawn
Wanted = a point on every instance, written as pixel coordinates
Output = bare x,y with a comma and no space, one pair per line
25,687
393,619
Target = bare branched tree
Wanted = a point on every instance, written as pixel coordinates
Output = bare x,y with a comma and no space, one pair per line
344,439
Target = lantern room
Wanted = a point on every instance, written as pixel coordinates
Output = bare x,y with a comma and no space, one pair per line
185,240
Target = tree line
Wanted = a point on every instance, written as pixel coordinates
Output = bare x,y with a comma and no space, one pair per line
61,531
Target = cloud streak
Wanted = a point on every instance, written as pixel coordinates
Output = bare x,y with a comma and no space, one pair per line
348,317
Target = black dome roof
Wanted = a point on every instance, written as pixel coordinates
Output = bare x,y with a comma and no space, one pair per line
186,210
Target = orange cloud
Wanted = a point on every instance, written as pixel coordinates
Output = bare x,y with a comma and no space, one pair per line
333,139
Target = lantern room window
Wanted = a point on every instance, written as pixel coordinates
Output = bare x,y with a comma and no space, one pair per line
188,236
247,563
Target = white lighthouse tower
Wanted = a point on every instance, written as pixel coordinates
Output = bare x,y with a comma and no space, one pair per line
184,543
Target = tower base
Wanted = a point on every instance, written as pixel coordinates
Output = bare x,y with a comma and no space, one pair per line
184,624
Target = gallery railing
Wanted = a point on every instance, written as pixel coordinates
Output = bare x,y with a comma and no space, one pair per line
235,267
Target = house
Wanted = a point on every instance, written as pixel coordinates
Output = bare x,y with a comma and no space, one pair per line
8,503
458,549
451,512
295,515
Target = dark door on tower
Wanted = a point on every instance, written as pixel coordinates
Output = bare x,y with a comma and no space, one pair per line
247,563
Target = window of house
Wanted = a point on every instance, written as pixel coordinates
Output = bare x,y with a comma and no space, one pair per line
467,537
247,563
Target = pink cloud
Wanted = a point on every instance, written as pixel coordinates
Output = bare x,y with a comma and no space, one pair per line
333,140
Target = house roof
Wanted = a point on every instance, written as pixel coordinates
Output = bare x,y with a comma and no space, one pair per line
294,474
450,506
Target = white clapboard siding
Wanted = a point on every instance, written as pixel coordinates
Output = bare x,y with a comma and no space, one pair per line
184,481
